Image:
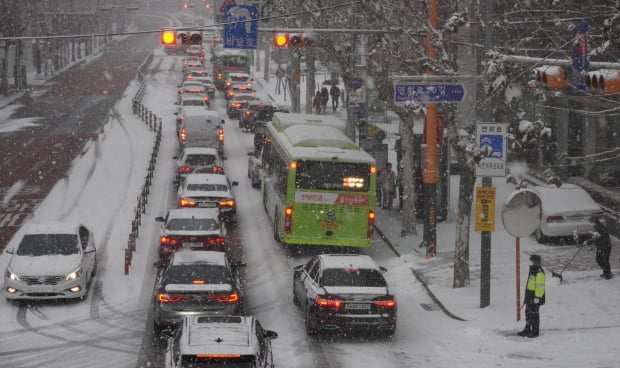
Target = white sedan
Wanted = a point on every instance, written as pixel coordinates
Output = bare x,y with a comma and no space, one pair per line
564,210
52,261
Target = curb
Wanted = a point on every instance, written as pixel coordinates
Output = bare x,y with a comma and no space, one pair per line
420,277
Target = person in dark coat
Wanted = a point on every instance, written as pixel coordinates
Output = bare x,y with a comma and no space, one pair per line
325,97
334,91
534,297
601,240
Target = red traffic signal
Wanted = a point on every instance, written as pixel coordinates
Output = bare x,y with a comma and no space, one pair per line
551,76
168,37
603,81
281,40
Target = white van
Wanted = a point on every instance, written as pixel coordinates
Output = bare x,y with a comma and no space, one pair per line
202,129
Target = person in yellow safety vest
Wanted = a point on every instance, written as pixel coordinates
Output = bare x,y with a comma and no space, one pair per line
534,297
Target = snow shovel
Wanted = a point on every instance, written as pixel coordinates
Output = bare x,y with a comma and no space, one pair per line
559,274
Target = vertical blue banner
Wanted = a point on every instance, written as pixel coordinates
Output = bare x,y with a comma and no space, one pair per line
241,27
579,55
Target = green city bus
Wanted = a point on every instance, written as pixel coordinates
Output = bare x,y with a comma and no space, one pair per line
317,185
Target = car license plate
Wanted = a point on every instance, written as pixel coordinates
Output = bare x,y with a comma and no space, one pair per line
329,225
357,306
207,204
192,244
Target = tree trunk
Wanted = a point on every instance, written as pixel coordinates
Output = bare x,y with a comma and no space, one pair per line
463,221
408,211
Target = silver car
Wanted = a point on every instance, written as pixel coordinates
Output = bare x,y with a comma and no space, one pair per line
52,261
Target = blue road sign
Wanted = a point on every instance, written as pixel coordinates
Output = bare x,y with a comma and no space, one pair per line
241,26
429,92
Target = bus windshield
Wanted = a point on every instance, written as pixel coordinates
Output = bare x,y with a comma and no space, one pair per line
338,176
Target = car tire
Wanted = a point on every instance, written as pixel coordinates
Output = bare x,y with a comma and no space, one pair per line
276,236
540,237
295,300
310,329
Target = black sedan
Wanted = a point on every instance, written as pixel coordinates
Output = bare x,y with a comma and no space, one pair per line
343,293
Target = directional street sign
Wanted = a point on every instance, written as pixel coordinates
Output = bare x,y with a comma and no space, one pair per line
429,92
241,26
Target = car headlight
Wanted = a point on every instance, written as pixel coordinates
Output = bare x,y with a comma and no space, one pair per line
12,275
75,274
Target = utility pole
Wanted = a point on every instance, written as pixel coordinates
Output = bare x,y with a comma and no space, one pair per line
430,176
487,181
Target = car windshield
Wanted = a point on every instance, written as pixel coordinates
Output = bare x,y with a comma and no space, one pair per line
198,160
193,103
193,224
352,277
48,244
208,273
207,187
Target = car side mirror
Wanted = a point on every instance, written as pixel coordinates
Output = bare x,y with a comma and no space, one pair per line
176,182
9,251
237,264
235,183
159,264
251,154
383,269
175,157
268,334
159,219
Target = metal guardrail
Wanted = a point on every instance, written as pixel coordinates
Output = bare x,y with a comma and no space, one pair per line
155,124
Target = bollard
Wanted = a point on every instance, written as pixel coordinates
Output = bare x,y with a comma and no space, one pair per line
132,243
127,261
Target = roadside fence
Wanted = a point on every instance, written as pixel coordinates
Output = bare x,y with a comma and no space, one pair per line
155,124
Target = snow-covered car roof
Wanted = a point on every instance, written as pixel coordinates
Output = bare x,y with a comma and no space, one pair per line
348,261
193,213
199,151
185,256
206,179
219,335
566,198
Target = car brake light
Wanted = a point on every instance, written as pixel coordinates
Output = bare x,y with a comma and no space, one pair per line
328,303
183,135
186,202
555,219
236,104
167,298
185,169
167,240
248,112
371,224
389,303
230,298
215,240
198,282
217,170
227,203
220,137
288,219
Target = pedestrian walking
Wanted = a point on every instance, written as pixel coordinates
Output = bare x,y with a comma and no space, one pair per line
334,91
387,182
534,297
602,241
317,102
325,98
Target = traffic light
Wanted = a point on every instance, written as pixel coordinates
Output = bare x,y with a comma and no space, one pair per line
195,38
190,38
551,76
603,81
281,40
301,40
168,37
295,40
